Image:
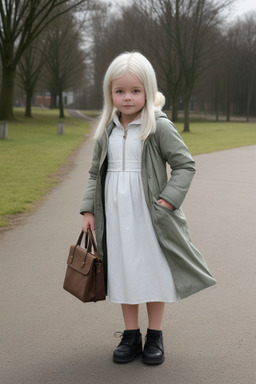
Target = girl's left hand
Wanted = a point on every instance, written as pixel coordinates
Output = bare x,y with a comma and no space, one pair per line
165,204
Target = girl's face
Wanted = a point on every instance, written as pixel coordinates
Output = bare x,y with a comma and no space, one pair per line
128,95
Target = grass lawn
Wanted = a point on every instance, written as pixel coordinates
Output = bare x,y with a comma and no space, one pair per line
33,155
207,136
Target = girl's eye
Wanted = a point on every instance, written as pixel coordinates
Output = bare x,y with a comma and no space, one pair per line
119,91
136,91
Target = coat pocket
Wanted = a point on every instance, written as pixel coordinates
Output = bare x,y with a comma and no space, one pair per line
171,222
172,211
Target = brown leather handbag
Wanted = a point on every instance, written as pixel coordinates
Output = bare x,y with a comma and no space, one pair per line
84,275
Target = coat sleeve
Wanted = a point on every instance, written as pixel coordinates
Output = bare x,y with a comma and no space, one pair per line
177,155
88,199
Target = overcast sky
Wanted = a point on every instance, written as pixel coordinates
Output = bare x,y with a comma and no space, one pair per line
243,6
238,9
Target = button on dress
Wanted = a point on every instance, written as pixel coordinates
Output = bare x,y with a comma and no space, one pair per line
138,271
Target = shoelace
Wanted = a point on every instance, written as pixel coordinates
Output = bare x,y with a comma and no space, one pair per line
126,338
118,335
152,340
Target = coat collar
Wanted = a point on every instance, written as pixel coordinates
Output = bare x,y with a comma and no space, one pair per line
112,124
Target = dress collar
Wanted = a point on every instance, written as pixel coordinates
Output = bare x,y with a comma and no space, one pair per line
119,125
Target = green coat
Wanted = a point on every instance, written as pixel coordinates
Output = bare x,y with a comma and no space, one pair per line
189,269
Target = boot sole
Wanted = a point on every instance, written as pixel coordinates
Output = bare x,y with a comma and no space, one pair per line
153,361
125,361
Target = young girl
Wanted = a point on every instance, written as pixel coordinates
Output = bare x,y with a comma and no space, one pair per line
135,208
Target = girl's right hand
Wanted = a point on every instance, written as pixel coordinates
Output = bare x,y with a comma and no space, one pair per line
88,222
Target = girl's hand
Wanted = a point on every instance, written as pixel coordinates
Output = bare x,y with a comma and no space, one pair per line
88,222
165,204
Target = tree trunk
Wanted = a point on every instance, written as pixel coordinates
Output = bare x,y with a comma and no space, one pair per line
249,97
217,113
175,109
186,114
29,96
61,107
217,100
53,104
228,106
217,106
6,97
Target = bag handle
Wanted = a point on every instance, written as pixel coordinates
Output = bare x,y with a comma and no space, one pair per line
89,241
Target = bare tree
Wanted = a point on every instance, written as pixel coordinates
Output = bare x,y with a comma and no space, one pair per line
229,85
130,29
29,70
21,21
196,31
247,37
65,61
187,32
103,50
232,74
157,38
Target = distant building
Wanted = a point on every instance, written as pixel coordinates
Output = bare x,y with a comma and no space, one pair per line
40,100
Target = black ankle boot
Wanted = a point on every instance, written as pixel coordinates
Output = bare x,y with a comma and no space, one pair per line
129,347
153,350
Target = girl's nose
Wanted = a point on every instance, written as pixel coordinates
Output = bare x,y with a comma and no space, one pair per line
127,96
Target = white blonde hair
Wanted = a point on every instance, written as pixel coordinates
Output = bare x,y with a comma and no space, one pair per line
137,64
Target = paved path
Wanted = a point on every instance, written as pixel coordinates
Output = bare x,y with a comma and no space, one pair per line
48,337
79,115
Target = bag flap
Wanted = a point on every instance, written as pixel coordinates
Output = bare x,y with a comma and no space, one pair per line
81,260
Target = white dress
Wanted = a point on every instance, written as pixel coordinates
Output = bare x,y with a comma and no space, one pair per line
138,271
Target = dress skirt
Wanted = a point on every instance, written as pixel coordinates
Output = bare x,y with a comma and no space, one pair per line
138,271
